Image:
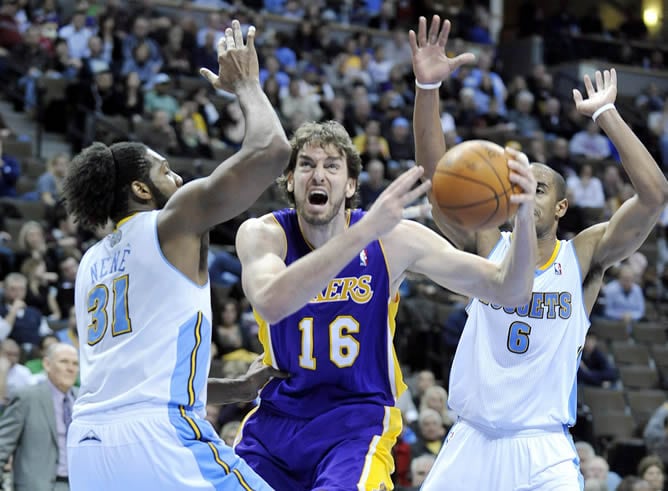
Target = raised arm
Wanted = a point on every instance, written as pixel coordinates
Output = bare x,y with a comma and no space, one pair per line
276,290
431,66
630,225
508,283
238,181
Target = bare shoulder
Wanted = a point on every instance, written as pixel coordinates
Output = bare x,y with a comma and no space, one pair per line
262,234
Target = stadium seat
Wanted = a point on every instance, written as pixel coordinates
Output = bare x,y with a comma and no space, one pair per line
639,377
630,354
651,333
643,403
602,401
609,330
27,209
613,426
660,355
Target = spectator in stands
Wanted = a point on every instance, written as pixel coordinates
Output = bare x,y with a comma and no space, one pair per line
232,340
586,196
436,398
423,380
595,368
177,57
139,36
34,425
657,122
129,99
522,116
232,125
229,432
18,376
552,121
420,467
597,469
633,483
159,134
590,143
652,470
431,432
41,292
10,170
10,35
374,185
401,140
298,101
49,184
98,59
487,85
655,433
35,364
76,34
624,299
31,242
613,188
26,324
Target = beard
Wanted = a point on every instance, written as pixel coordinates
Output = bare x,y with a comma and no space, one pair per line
159,198
323,219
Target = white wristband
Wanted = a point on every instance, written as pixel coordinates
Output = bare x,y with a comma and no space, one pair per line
427,86
601,110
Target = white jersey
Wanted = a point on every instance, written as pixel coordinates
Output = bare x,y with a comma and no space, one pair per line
144,327
516,368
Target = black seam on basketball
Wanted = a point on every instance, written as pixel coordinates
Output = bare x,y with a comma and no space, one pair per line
466,178
492,215
486,160
468,205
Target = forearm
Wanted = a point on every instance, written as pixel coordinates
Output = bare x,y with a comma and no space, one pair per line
429,139
517,267
263,127
303,280
648,181
229,391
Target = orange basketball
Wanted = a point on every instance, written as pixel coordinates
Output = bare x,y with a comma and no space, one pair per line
471,185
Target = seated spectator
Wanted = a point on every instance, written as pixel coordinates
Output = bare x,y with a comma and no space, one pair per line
18,376
595,368
522,116
655,433
624,299
402,146
370,189
590,143
633,483
159,97
159,134
436,398
652,470
50,184
41,292
431,432
26,324
420,467
595,485
597,468
232,340
35,364
229,432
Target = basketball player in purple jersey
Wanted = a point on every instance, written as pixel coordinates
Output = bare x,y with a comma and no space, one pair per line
323,280
513,379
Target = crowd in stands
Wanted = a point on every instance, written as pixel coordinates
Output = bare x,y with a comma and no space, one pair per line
108,71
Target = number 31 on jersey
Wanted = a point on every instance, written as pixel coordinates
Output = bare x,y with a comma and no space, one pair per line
96,303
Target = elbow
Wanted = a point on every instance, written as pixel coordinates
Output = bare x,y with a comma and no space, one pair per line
514,297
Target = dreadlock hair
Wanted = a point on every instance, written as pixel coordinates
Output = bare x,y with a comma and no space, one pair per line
97,185
323,134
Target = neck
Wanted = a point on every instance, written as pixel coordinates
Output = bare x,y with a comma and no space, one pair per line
318,235
546,246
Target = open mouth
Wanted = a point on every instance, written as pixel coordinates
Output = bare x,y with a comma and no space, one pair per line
317,197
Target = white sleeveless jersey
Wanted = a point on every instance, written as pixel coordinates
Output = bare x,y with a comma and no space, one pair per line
516,368
144,327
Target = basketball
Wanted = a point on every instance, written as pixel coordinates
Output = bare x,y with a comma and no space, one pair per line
471,185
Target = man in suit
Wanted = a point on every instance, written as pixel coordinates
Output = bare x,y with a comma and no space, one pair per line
34,425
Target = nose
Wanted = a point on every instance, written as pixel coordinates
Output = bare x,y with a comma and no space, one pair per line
179,180
318,174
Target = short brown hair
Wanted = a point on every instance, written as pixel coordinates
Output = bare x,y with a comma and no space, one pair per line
650,461
323,134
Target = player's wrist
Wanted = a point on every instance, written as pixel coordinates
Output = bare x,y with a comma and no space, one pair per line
601,110
427,86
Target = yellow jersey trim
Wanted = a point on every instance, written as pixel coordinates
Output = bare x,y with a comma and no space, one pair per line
193,360
555,253
379,463
125,220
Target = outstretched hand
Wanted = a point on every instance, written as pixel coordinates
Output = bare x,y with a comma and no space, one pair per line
388,209
430,63
604,93
237,63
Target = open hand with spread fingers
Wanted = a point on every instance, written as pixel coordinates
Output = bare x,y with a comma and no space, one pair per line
237,62
388,209
604,93
430,63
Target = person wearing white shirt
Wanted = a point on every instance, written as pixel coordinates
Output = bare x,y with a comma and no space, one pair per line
18,375
590,143
624,299
586,189
77,35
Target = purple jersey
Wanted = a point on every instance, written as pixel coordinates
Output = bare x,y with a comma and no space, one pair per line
338,348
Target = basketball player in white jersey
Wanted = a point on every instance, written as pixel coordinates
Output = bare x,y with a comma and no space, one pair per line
513,380
142,300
